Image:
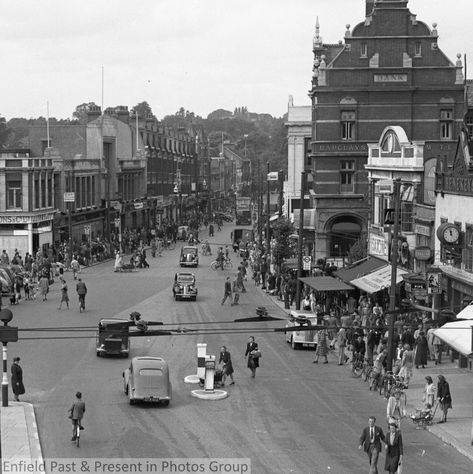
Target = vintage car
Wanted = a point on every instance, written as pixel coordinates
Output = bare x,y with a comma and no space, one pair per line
112,337
301,338
189,256
147,380
184,286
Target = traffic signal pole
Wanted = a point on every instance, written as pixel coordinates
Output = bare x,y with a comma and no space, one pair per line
300,241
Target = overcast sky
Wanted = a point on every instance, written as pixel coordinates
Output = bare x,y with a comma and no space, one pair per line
199,54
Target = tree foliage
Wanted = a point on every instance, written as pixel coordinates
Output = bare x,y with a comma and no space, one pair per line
143,109
282,229
4,132
359,250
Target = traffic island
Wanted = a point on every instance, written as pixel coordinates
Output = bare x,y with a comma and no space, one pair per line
209,395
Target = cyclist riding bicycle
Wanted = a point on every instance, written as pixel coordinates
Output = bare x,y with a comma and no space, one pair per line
359,349
220,257
76,413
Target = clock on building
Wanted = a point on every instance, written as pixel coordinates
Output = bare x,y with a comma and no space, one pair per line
448,233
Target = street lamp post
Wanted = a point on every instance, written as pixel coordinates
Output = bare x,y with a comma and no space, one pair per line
299,242
394,257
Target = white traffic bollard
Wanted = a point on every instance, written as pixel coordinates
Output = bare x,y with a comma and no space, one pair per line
209,373
201,356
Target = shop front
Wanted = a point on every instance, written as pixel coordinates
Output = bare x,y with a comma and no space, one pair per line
26,232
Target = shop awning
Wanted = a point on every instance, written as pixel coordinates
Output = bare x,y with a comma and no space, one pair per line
359,270
378,280
324,283
458,335
466,313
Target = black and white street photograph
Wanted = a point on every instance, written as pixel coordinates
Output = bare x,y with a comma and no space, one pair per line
236,237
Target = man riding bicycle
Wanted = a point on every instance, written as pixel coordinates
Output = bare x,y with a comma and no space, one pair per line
359,349
76,414
220,257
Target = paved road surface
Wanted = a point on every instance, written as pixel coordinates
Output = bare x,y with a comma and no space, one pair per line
295,417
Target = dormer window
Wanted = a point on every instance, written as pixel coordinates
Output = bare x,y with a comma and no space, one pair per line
418,49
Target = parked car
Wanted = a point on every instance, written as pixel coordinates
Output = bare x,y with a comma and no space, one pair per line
147,380
184,286
189,256
301,338
5,281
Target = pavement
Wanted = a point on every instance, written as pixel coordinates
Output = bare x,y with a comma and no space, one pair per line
458,430
20,439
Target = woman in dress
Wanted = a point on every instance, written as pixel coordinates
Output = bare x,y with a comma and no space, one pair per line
322,348
43,286
407,362
444,397
226,360
429,391
394,449
422,349
253,362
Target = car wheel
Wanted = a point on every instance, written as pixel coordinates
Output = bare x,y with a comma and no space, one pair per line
165,403
126,389
132,401
98,353
294,344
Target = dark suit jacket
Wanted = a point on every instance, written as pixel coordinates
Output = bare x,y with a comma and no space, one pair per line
365,438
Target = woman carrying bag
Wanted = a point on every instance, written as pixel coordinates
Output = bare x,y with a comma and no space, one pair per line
253,355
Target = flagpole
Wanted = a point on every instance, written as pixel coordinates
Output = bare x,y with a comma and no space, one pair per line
47,123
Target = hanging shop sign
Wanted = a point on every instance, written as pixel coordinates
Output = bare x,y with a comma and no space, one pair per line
433,279
422,254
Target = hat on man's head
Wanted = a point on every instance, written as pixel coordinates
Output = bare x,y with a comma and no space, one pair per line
16,359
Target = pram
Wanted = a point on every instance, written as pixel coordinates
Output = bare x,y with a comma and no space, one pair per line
218,379
422,419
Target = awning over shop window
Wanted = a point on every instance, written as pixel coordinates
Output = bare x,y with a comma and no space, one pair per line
466,313
457,335
357,271
378,280
324,283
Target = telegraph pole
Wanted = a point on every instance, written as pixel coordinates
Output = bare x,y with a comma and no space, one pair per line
299,242
268,227
394,256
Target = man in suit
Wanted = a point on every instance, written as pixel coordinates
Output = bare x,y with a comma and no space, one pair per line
370,441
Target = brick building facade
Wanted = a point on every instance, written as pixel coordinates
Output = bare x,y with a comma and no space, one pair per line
389,71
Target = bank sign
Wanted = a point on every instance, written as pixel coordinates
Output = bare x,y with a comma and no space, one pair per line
378,246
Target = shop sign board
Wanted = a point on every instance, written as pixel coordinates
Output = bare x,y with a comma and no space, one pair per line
69,197
378,245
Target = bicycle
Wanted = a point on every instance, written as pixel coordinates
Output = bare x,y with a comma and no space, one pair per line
227,265
77,430
367,369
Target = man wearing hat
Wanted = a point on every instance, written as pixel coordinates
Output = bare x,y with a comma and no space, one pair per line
17,379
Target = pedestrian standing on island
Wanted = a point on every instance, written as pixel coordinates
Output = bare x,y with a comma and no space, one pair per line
370,441
226,360
227,291
444,397
64,295
394,449
236,291
17,379
252,352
